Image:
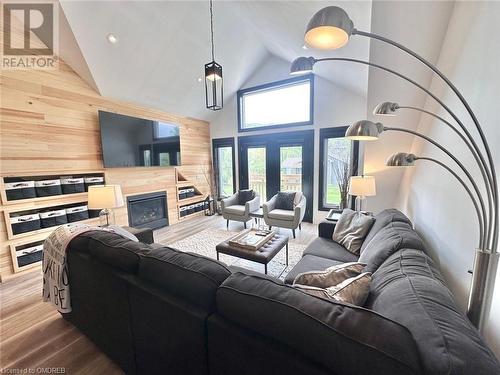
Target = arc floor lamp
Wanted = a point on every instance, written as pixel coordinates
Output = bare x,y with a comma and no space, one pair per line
330,28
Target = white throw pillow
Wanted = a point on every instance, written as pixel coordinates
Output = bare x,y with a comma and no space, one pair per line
354,290
351,229
331,276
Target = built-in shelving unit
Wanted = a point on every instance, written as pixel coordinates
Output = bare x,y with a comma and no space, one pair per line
190,204
25,247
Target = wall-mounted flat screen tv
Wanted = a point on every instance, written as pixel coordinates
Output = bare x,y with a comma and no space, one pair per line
136,142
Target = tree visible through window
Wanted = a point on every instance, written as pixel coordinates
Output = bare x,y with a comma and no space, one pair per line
337,160
225,169
223,157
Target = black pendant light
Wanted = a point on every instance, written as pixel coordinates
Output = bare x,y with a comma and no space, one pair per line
213,75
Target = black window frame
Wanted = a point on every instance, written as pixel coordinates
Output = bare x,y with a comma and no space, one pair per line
336,132
271,86
218,143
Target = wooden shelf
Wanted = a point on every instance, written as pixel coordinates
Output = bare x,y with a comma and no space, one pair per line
59,197
184,184
93,220
196,199
194,214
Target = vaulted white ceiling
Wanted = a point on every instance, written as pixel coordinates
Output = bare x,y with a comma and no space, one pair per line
163,46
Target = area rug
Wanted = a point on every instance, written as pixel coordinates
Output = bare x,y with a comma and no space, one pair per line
204,243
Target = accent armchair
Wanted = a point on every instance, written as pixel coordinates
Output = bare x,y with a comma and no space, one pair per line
233,210
290,219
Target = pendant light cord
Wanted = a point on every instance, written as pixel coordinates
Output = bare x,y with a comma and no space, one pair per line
212,29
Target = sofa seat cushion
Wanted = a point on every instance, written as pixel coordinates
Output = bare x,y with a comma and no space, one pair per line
188,276
279,214
236,209
309,263
393,237
112,249
409,289
343,338
329,249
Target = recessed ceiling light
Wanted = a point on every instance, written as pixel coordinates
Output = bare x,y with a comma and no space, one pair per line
112,38
199,79
304,47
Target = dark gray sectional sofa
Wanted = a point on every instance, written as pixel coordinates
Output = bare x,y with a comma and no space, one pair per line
155,310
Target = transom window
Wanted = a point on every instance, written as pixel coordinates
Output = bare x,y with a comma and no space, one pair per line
284,103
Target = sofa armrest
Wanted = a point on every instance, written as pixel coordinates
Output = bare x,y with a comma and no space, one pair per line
252,205
300,211
229,201
326,228
269,206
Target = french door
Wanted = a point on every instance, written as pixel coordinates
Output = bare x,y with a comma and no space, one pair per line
278,162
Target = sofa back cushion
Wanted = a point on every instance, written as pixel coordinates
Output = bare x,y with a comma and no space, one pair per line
111,249
382,219
409,289
345,339
191,277
394,236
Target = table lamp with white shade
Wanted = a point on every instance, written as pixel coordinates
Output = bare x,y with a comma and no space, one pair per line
105,198
362,187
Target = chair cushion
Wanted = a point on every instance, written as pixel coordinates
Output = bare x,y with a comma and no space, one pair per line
327,248
191,277
345,339
235,210
309,263
245,195
409,289
382,219
285,200
279,214
393,237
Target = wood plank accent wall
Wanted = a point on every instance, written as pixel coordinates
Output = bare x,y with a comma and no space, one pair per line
49,126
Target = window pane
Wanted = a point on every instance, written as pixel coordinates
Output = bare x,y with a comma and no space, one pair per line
257,170
291,168
164,159
337,164
286,104
225,172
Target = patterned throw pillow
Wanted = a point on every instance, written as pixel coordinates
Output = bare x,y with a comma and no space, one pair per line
351,229
245,196
331,276
354,290
285,200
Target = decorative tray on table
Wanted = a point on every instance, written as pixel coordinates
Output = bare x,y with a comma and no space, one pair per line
251,239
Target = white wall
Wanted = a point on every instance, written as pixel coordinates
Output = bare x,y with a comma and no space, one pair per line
333,106
438,206
402,22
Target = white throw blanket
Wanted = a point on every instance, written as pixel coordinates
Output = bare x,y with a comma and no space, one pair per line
55,272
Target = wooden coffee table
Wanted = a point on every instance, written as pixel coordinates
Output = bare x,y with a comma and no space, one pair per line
263,255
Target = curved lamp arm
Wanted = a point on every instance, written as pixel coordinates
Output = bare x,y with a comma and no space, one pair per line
471,195
490,184
480,162
467,107
462,167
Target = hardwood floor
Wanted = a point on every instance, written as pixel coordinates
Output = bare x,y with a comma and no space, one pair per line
34,336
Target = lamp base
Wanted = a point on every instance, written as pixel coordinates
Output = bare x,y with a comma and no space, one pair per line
106,217
360,203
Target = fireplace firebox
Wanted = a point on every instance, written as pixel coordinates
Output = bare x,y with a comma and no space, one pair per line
148,210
